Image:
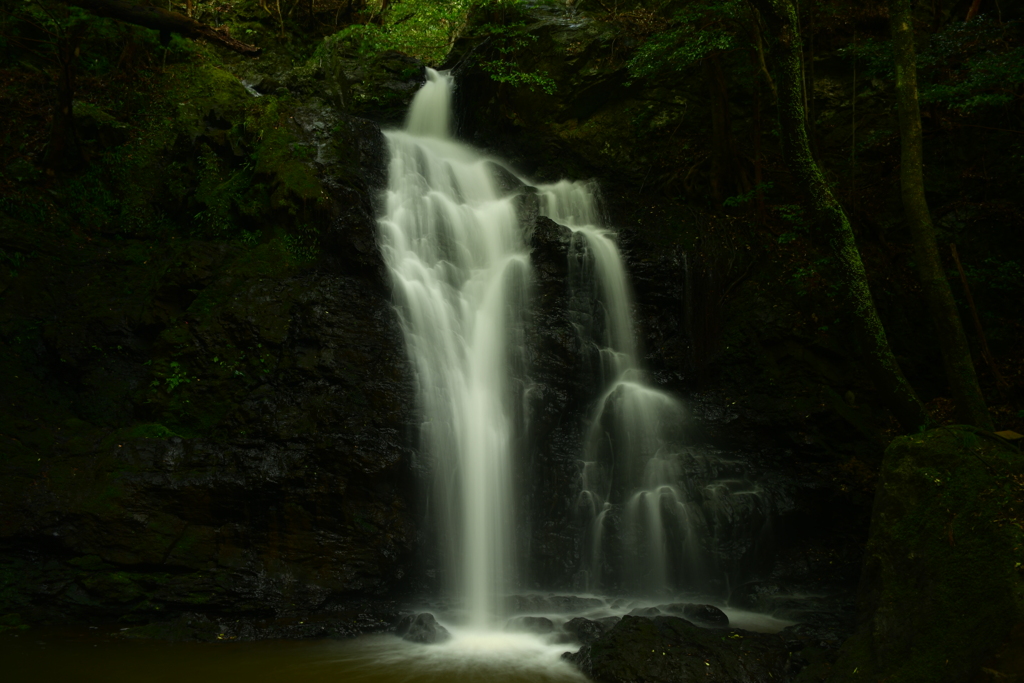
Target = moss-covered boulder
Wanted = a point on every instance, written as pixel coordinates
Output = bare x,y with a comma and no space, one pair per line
942,585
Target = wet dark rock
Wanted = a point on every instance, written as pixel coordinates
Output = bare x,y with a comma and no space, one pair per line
550,246
672,650
213,421
527,205
539,625
704,615
586,631
226,424
707,615
556,402
644,612
507,181
422,628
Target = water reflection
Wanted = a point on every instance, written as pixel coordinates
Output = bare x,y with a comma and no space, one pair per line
469,657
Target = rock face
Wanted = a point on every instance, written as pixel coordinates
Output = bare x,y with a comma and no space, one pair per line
672,650
214,419
549,477
942,585
301,499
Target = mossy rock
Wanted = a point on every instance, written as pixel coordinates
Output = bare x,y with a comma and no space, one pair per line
942,586
95,124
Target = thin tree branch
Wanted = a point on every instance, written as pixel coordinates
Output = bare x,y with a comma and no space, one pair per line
983,342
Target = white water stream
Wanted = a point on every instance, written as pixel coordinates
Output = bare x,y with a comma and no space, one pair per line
630,455
461,274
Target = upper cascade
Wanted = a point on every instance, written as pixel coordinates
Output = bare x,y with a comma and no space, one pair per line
460,273
430,113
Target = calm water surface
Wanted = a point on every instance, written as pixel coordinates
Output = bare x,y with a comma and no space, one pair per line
41,657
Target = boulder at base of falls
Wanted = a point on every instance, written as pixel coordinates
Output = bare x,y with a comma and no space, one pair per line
942,588
702,615
587,631
706,615
672,650
530,624
422,628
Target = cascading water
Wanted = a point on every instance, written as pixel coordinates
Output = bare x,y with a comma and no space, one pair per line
460,273
458,260
681,514
627,454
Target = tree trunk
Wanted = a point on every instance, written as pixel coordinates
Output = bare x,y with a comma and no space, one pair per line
63,149
956,354
727,176
973,11
165,22
785,51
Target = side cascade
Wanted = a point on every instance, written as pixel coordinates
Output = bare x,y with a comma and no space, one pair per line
659,516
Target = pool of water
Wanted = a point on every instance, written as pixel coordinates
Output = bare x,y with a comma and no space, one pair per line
89,655
77,657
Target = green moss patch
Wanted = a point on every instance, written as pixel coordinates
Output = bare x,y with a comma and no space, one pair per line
942,585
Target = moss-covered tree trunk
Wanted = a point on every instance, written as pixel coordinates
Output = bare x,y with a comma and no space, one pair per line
848,269
956,355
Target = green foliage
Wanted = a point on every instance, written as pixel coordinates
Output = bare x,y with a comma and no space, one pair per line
974,64
14,260
303,242
993,273
796,220
425,29
966,66
176,376
697,30
509,41
741,199
874,57
219,191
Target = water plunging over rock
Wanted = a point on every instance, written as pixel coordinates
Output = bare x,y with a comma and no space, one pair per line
460,273
678,515
658,515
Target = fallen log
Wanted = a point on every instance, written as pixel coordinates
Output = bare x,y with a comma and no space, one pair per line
166,22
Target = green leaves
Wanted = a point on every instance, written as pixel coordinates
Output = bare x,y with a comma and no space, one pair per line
965,66
984,80
695,31
422,28
972,65
676,50
509,41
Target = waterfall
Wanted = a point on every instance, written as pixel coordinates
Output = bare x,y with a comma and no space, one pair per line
686,518
460,273
460,270
629,454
